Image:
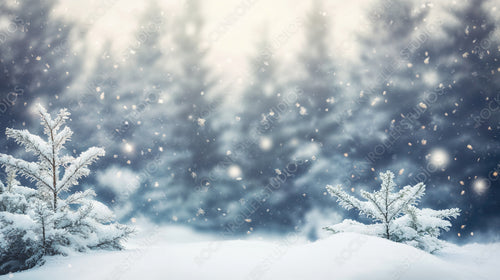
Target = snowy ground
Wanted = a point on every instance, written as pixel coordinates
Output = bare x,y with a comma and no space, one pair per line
341,256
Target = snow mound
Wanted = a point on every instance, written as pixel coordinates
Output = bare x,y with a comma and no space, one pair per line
341,256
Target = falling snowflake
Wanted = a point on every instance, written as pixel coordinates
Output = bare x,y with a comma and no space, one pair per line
302,111
480,186
439,158
201,122
265,143
234,171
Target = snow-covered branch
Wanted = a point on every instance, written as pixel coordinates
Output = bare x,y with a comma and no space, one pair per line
28,169
345,200
32,143
78,168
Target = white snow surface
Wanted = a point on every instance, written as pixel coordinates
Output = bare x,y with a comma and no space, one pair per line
150,255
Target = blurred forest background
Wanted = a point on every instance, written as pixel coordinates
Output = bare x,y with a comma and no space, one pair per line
247,146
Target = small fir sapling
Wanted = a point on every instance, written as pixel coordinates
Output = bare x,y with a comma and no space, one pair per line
395,214
38,222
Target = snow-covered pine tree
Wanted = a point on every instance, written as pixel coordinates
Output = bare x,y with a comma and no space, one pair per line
50,223
395,215
45,172
19,247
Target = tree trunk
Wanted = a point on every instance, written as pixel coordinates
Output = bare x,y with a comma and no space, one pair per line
54,170
43,237
55,202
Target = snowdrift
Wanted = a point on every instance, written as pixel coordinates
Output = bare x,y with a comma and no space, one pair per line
341,256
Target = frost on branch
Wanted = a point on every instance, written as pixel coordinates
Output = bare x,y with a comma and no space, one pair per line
38,222
395,214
